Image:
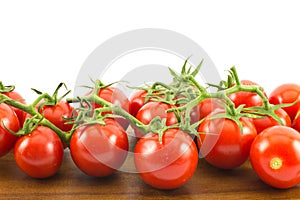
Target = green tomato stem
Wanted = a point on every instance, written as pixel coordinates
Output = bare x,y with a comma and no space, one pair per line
30,109
222,95
160,84
205,94
249,88
6,88
200,88
118,111
38,100
190,104
235,75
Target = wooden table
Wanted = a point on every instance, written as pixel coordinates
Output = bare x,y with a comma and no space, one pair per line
70,183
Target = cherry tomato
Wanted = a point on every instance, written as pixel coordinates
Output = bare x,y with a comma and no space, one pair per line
99,150
10,120
168,165
116,97
249,99
275,156
40,153
58,114
195,114
267,121
287,93
137,101
16,96
296,121
222,144
152,109
208,106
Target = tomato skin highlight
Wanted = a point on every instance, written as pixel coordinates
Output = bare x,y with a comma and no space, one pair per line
287,93
11,122
40,153
223,145
275,156
151,110
56,114
168,165
99,150
266,122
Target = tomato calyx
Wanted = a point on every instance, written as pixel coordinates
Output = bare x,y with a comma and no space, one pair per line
98,85
183,80
89,116
50,100
158,125
30,124
180,91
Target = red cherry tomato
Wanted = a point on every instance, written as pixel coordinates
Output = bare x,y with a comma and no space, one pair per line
208,106
116,97
40,153
249,99
222,144
152,109
275,156
137,101
287,93
296,121
10,120
267,121
16,96
195,114
168,165
58,114
99,150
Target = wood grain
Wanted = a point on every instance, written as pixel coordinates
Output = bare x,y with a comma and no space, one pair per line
70,183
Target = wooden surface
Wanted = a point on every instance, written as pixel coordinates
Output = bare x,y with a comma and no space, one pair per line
70,183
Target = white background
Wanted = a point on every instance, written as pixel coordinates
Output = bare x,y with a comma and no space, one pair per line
45,42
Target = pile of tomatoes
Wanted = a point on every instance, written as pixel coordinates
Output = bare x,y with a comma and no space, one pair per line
174,129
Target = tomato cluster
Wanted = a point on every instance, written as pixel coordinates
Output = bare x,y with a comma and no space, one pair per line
174,124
